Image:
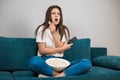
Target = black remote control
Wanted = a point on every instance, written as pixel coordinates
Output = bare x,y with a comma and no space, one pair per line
72,40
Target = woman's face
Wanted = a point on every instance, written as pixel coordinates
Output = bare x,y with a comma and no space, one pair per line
55,15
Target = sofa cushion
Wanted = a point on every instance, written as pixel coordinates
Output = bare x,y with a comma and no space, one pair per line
101,73
96,73
112,62
98,51
15,53
79,50
6,78
17,74
4,75
50,78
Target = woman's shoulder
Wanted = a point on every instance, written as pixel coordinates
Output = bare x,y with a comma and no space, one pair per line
42,27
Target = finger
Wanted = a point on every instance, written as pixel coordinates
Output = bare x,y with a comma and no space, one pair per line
71,44
65,42
49,22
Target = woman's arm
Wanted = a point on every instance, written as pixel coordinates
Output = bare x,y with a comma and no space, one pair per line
45,51
56,38
57,41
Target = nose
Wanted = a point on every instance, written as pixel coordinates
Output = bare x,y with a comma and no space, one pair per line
56,15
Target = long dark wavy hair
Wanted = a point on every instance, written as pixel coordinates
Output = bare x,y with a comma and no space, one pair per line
60,27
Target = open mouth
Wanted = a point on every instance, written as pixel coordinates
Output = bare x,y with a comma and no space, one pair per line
56,19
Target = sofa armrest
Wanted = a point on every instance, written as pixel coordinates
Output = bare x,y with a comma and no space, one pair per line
112,62
98,51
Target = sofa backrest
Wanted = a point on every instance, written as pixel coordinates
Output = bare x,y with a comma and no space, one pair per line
15,53
79,50
98,51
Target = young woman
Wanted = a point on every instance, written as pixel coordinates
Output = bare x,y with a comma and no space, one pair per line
52,37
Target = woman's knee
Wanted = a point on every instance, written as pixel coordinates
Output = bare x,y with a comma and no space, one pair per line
87,64
35,60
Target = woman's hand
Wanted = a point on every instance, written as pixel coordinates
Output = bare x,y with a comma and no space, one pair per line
52,28
67,46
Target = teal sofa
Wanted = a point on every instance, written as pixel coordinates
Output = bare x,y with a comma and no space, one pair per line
16,52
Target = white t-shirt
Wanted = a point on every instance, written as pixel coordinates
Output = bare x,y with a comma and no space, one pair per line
48,39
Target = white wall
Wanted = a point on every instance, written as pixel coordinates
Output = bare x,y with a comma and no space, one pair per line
96,19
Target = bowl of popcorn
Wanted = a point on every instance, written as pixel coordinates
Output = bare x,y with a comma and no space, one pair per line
58,64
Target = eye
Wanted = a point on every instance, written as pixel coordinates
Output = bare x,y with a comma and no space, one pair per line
53,13
58,13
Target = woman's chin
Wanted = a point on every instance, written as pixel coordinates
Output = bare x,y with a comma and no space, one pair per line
56,24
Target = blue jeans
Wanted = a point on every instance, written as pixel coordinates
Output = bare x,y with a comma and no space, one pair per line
38,65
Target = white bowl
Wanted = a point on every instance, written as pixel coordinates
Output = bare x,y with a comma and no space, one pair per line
58,64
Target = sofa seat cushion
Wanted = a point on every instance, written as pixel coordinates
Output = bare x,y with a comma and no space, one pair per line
96,73
79,50
17,74
101,73
6,78
4,75
51,78
112,62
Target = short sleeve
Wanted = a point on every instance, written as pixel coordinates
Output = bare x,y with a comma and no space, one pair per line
39,37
